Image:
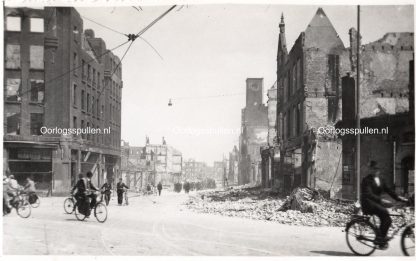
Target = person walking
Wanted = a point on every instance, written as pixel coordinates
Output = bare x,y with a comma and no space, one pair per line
106,190
120,190
159,187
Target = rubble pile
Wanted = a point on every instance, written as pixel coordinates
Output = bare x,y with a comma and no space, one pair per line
303,207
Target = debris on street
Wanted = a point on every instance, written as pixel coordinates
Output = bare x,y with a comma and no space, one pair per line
303,207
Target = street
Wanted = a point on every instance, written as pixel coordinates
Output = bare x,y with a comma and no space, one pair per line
163,226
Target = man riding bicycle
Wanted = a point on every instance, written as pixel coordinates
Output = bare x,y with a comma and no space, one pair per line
90,190
372,186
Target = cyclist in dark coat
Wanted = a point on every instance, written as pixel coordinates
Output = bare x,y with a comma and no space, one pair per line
372,186
90,189
120,190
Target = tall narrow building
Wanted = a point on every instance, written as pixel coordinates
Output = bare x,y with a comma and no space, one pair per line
308,84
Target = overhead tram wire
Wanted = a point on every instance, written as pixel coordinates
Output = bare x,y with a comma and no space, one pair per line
109,28
132,38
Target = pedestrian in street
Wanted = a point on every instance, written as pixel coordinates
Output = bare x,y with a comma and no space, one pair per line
120,190
159,187
149,189
106,191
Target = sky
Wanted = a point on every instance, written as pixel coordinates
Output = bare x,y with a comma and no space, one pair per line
209,50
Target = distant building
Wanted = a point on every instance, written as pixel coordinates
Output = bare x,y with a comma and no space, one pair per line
269,165
233,167
194,171
163,163
133,166
56,75
254,128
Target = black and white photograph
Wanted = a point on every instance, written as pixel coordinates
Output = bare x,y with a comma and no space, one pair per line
226,129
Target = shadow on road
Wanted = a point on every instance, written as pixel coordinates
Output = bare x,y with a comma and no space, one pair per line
333,253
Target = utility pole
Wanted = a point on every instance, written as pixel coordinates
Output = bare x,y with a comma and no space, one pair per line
357,99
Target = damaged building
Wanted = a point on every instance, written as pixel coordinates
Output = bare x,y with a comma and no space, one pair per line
308,86
268,162
254,130
386,105
56,75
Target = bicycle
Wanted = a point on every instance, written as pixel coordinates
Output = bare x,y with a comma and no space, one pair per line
126,199
69,204
32,198
106,195
20,203
363,230
100,210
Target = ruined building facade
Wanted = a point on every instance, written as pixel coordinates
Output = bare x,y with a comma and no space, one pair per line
386,102
308,91
254,129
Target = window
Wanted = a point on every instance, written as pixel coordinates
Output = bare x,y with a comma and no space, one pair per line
13,23
294,82
13,90
289,84
75,63
285,89
98,79
82,100
36,25
288,124
75,33
88,134
37,90
83,69
13,122
12,56
294,121
36,123
298,74
333,73
74,122
74,95
89,73
93,106
98,108
82,127
93,76
36,57
299,120
88,102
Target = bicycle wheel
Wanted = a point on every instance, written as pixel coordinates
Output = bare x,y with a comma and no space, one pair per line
36,203
23,209
360,235
100,212
69,205
79,215
407,242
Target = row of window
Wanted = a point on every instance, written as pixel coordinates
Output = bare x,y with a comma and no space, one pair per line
13,57
37,122
292,81
14,90
291,123
13,123
14,24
